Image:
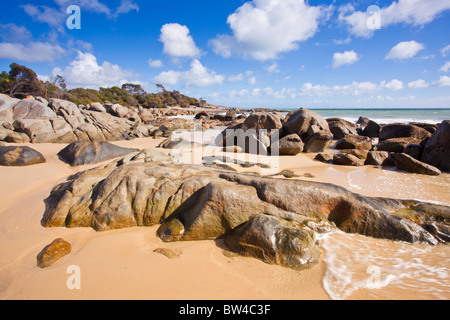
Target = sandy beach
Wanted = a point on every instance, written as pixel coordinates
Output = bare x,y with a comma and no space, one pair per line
121,264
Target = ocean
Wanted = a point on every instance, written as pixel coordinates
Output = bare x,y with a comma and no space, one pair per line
386,116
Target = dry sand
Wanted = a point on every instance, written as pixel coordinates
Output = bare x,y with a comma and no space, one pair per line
122,265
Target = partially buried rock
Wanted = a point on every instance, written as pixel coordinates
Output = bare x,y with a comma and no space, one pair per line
275,241
53,252
19,156
169,253
81,153
347,159
408,163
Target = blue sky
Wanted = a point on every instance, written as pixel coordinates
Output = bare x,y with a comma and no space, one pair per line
260,53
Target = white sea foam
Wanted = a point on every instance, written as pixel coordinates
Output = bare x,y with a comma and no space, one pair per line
360,267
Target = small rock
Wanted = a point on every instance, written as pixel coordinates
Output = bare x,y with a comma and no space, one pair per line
376,158
81,152
169,253
324,157
53,252
346,159
19,156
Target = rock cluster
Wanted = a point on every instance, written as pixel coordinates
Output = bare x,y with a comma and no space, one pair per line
416,148
300,131
37,120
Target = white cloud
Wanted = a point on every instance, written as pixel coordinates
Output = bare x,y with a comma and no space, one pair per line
347,57
418,84
444,81
31,52
411,12
445,50
272,68
404,50
178,42
252,80
262,29
445,67
85,72
56,16
196,77
13,33
355,89
155,63
125,7
393,85
236,78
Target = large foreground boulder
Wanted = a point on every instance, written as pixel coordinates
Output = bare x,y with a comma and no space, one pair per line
198,203
19,156
82,152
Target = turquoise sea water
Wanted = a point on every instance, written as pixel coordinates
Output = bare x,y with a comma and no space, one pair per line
387,115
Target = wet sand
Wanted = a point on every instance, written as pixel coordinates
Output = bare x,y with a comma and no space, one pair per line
121,264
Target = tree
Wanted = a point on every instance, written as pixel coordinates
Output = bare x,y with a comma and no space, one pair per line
23,81
59,82
160,87
134,89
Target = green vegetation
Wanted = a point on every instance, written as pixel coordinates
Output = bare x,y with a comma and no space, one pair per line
21,82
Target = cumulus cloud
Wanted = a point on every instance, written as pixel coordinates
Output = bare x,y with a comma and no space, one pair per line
31,52
56,17
178,43
418,84
444,81
445,67
272,68
404,50
86,72
13,33
347,57
445,50
155,63
393,85
197,76
236,78
411,12
262,29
